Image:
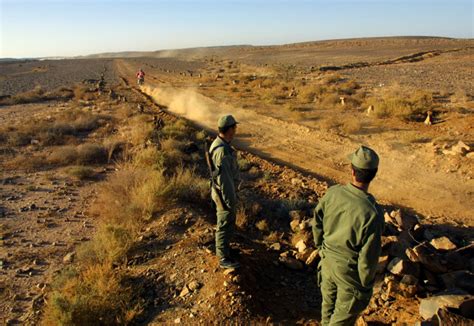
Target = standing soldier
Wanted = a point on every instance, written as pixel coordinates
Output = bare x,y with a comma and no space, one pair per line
226,176
347,229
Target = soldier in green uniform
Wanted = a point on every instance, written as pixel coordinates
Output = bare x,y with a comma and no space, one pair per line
347,229
224,193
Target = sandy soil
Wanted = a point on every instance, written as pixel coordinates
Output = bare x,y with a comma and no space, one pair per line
406,178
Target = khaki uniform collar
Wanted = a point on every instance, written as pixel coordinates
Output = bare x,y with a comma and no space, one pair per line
357,191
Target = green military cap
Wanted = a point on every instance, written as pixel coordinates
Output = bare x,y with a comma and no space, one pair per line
364,158
226,121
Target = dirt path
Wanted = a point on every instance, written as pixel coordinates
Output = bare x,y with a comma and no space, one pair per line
405,178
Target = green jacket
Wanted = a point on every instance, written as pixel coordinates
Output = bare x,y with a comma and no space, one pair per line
224,159
347,227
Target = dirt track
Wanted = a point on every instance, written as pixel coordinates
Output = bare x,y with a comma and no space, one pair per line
405,178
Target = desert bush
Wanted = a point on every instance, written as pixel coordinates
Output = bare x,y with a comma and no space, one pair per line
37,95
186,185
89,153
351,126
110,244
401,103
27,163
81,172
82,92
94,294
150,157
244,165
307,94
178,129
329,100
63,155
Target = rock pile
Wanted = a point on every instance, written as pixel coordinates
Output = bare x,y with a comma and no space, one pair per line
421,261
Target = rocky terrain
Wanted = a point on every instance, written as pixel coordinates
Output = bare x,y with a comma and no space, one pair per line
105,212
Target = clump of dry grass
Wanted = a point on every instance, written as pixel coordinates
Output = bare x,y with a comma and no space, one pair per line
94,294
351,126
401,103
82,92
54,131
81,172
38,94
87,153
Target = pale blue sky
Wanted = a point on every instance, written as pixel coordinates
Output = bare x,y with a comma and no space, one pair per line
30,28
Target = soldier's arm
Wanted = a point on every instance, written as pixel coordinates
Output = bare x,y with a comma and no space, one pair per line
370,251
317,222
226,181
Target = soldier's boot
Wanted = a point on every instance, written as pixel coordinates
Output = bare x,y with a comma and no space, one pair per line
228,263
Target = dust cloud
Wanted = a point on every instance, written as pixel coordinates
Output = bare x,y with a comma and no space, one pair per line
189,104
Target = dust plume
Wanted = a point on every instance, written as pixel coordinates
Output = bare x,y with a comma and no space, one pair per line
191,105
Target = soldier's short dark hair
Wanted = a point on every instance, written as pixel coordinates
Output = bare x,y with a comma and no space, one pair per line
223,130
364,175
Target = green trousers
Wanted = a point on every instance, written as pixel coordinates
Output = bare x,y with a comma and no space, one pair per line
343,296
224,232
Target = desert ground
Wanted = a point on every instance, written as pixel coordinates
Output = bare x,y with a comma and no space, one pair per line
105,212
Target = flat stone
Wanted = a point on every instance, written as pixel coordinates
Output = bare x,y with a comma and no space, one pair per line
443,243
69,258
463,303
404,220
194,285
294,225
401,267
311,261
275,246
382,264
184,292
301,246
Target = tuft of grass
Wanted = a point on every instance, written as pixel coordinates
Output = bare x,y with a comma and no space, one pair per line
89,296
81,172
394,102
109,245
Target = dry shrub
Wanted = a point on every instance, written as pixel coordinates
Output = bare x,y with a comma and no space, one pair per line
178,129
83,154
91,154
82,92
140,130
187,186
351,126
401,103
81,172
150,157
37,95
269,83
94,294
329,100
332,79
114,205
27,163
307,94
242,219
63,155
172,151
109,245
